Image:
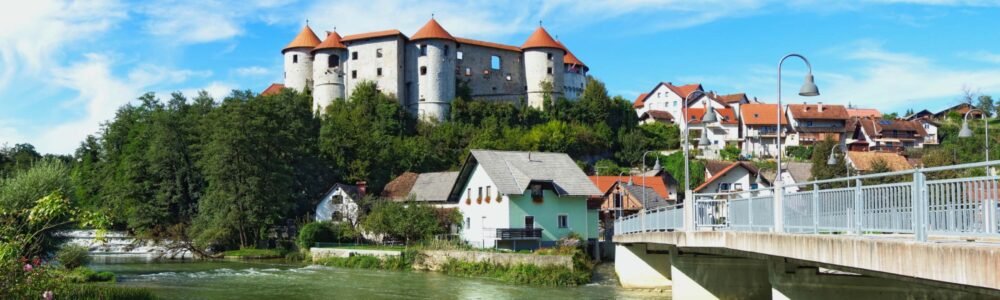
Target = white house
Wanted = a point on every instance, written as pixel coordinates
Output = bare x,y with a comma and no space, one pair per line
340,203
518,200
733,177
931,130
725,131
758,123
669,98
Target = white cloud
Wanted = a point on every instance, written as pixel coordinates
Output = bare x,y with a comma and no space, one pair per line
200,21
251,71
983,56
218,90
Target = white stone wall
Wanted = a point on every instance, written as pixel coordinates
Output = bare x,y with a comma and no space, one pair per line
537,63
480,220
436,87
487,83
328,81
367,65
298,68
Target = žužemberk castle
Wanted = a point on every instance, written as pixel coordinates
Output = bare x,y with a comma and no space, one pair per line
423,70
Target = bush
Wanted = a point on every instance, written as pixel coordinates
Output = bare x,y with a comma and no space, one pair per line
73,256
799,152
519,274
81,275
314,232
397,263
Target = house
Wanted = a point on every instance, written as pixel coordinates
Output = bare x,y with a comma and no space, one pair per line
736,101
960,109
656,116
816,122
864,162
923,114
793,172
876,134
430,188
722,177
340,203
758,123
863,112
669,98
522,200
725,131
931,129
657,190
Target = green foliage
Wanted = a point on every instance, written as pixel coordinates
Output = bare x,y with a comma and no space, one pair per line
607,167
986,104
730,153
83,275
325,232
673,164
800,153
73,256
820,169
395,263
410,222
519,273
253,253
17,158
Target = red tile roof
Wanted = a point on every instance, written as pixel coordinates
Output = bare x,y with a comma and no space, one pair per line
812,111
371,35
731,98
305,39
640,101
863,112
432,30
657,115
399,188
273,89
487,44
333,41
681,91
761,114
606,182
541,39
728,115
750,168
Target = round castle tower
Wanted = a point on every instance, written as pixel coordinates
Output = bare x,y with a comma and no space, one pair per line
329,63
298,60
543,63
575,78
435,70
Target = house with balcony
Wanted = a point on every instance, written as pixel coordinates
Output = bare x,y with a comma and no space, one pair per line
876,134
759,126
725,177
523,200
725,131
669,98
813,123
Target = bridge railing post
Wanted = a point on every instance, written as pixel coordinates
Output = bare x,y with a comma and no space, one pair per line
779,204
920,206
859,210
689,207
815,207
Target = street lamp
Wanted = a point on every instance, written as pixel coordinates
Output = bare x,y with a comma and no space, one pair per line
703,141
967,133
808,89
832,161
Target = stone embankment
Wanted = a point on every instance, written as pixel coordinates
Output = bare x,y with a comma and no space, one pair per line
433,260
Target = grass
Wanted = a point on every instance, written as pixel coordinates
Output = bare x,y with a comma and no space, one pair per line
102,291
519,273
396,263
370,247
250,253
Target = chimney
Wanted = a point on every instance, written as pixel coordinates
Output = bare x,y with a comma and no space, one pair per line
819,106
362,188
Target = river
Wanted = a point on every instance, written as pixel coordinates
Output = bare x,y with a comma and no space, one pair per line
281,280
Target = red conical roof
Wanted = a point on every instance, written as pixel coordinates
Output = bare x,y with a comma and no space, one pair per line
333,41
541,39
306,39
432,30
569,58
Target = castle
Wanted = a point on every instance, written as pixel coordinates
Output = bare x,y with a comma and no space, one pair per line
425,69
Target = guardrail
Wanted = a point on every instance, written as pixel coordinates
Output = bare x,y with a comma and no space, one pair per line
903,202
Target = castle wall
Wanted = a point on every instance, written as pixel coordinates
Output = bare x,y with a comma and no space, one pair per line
298,68
328,81
367,64
543,65
435,72
573,83
475,67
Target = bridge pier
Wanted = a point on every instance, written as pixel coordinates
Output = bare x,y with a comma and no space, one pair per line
790,281
701,276
644,266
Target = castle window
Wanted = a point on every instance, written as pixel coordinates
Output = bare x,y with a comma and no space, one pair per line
423,70
550,56
423,50
468,71
332,61
378,72
354,74
295,58
508,77
495,62
458,54
378,52
550,70
354,55
445,50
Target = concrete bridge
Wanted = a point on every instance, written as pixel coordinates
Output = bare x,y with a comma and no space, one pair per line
916,234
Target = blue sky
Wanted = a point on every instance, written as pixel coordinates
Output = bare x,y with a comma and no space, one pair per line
65,67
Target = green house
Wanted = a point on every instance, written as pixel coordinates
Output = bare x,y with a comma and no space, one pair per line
523,200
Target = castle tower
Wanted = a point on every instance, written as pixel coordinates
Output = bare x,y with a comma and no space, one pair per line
543,64
435,70
575,76
298,60
329,63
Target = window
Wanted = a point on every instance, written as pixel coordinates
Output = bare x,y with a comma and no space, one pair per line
468,192
354,55
446,49
332,61
338,199
563,221
378,53
423,70
738,186
458,54
536,192
487,194
550,70
809,123
354,74
724,186
529,222
468,222
550,56
754,186
378,72
495,62
423,50
480,193
468,71
295,58
618,200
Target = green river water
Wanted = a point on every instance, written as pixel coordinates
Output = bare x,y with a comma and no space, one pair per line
281,280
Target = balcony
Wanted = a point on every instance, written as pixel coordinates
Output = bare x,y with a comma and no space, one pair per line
519,233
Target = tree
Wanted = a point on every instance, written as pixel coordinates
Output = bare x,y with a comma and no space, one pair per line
986,104
730,153
820,169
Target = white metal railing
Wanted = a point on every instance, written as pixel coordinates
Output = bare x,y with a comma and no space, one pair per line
906,203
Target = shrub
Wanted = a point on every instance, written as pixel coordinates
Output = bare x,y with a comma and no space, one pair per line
518,274
81,275
73,256
314,232
799,152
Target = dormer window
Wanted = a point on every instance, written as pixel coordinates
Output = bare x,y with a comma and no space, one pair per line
536,193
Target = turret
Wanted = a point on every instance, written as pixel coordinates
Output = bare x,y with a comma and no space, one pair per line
575,75
298,59
329,63
435,70
543,66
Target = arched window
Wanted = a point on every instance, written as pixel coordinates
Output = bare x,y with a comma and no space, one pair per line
333,61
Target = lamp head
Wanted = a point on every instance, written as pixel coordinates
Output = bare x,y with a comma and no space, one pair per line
965,132
657,167
832,161
809,87
703,141
709,116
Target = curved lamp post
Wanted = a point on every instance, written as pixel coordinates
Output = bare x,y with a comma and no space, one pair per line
808,89
708,117
832,161
967,133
